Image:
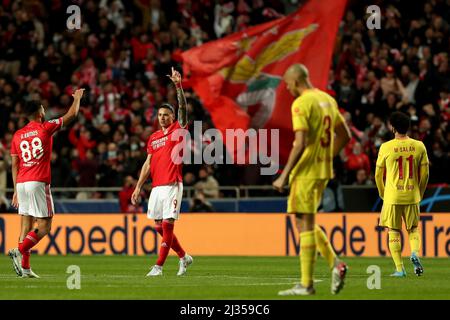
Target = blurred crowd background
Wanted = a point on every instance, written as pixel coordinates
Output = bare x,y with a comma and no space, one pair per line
125,49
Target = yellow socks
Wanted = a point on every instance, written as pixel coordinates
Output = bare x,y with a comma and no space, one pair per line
395,247
307,256
324,246
415,241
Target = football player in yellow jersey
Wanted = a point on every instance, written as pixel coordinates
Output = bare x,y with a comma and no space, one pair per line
320,134
405,163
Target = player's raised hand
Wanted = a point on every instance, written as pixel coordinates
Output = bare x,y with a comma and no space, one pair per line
78,94
15,201
135,196
175,77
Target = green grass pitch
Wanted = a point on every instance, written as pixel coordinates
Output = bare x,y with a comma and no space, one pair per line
123,277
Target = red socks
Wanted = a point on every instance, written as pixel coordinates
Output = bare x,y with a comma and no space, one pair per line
24,247
25,258
29,242
158,227
166,243
176,246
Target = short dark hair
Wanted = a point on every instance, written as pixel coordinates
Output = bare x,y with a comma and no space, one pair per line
400,121
167,106
32,107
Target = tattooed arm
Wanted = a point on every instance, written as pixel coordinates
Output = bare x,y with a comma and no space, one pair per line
182,111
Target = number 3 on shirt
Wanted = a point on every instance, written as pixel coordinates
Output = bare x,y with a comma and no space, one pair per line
326,140
36,151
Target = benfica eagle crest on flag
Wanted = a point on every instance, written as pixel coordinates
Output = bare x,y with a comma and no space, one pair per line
239,78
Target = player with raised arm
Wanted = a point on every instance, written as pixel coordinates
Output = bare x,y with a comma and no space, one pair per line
404,161
31,150
320,134
167,180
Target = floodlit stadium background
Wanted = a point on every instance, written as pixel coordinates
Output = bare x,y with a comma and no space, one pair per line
122,55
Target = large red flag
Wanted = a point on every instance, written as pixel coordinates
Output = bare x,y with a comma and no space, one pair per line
239,77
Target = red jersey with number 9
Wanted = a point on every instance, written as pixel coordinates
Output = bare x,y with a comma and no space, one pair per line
33,145
166,150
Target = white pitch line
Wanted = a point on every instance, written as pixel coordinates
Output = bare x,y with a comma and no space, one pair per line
166,285
250,277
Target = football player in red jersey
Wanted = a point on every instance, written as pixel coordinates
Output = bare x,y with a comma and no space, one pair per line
167,179
31,150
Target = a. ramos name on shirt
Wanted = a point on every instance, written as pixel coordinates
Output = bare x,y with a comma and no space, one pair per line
29,134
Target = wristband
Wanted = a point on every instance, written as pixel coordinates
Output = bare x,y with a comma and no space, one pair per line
178,85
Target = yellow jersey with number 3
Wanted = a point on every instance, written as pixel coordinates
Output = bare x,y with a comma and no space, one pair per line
402,159
316,113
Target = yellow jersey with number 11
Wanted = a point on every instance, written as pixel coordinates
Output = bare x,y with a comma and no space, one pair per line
315,112
402,159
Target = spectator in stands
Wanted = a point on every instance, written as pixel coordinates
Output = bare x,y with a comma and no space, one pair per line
357,135
87,173
200,204
425,90
223,20
333,197
125,48
425,133
207,184
62,174
125,196
87,170
391,84
362,179
81,138
444,104
346,91
375,133
411,81
439,164
3,179
189,179
356,160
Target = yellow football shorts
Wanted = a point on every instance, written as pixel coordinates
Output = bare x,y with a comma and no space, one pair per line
391,215
305,195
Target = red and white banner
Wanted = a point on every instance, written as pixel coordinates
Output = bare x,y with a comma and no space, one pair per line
239,77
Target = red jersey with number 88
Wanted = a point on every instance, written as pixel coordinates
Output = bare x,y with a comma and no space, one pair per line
33,145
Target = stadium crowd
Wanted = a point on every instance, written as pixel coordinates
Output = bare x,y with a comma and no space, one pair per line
126,48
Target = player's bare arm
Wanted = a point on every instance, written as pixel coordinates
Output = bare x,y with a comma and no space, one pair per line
75,108
145,171
424,175
379,173
343,136
14,170
182,111
294,156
